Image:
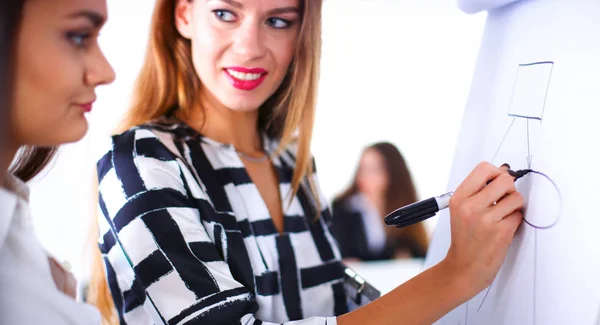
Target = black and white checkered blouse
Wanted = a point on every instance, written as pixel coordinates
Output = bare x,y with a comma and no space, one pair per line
187,239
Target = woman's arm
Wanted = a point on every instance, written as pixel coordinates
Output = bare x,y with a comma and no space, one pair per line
421,300
484,220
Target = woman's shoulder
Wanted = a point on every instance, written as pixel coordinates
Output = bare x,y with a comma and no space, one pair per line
341,204
152,136
151,143
349,203
162,128
143,159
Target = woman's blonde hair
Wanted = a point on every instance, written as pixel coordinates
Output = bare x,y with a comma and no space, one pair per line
167,84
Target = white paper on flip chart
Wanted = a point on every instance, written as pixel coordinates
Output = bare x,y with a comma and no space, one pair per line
535,103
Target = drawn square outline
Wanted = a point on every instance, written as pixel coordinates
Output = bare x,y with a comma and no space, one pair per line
524,74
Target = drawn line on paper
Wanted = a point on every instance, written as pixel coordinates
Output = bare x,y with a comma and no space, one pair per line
560,200
528,148
485,297
503,139
526,117
536,63
467,314
535,244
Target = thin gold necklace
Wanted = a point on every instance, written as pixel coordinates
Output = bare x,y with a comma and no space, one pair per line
264,158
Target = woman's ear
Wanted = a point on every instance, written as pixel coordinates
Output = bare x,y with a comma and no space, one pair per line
183,17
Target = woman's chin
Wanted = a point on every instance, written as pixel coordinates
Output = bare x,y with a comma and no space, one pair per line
75,132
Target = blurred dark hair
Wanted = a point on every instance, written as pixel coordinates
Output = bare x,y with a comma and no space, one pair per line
31,160
400,192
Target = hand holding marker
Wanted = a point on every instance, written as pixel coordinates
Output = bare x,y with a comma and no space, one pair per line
423,210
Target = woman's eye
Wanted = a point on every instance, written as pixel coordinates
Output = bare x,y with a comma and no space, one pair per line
224,15
78,39
278,23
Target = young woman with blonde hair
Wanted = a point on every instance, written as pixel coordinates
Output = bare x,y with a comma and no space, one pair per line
212,212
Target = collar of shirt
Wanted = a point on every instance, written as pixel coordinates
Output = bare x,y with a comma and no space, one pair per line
13,190
372,221
270,145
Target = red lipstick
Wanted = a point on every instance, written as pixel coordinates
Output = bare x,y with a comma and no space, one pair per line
86,107
245,78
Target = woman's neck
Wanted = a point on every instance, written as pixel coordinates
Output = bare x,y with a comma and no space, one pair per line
239,128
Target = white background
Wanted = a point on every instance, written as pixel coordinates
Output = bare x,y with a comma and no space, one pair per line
398,71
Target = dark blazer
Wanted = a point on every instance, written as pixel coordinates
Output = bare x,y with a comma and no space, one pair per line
349,231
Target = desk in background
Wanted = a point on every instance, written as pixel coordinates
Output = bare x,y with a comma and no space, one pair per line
387,275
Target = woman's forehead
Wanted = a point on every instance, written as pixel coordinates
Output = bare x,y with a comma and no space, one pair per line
66,9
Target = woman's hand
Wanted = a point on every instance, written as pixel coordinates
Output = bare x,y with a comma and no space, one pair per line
484,220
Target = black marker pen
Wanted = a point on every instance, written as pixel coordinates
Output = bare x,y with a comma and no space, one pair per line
423,210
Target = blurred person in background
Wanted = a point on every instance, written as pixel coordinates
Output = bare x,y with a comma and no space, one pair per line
381,184
50,66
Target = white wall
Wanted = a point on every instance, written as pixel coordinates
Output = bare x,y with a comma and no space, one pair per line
398,71
391,70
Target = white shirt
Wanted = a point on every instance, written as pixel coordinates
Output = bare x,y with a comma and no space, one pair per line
372,221
28,294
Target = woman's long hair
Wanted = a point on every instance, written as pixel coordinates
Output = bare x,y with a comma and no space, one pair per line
401,191
31,160
168,84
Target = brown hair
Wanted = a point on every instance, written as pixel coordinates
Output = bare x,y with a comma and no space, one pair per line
167,85
400,192
30,160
